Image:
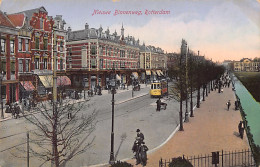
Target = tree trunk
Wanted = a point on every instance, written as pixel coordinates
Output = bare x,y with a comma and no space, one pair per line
191,102
203,93
198,98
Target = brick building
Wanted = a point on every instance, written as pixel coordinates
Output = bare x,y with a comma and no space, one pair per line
9,59
92,54
40,38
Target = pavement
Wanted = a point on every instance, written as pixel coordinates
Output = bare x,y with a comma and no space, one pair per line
212,128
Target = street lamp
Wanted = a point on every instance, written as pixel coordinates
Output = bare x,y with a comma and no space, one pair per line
132,85
1,80
113,84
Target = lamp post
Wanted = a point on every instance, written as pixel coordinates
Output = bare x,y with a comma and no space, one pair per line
132,85
1,80
113,84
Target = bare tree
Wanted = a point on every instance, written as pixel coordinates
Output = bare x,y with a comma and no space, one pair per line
62,133
61,130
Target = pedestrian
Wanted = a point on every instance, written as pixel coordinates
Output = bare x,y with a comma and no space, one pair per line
138,140
69,114
222,90
241,129
158,104
228,105
236,105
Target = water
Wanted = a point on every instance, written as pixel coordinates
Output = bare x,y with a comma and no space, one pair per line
251,108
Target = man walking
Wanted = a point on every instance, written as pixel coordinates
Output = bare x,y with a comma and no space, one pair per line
228,104
158,104
241,129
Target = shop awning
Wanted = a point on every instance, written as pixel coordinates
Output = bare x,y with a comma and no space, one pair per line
28,86
158,72
63,81
154,73
161,73
46,81
118,78
148,72
135,74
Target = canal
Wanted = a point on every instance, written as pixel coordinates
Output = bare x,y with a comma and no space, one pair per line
251,108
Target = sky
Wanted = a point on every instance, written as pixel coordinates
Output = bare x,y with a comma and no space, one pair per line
219,29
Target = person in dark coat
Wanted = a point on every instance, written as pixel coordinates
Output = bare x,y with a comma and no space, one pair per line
241,129
158,104
228,105
138,141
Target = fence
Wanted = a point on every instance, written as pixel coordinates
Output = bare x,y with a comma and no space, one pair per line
242,158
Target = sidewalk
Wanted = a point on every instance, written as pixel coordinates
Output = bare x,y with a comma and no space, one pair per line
137,94
212,128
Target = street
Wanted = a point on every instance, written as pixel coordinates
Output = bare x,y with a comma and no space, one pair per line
130,114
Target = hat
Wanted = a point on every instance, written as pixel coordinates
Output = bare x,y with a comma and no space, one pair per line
138,130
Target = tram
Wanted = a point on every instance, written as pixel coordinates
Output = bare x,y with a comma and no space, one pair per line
158,89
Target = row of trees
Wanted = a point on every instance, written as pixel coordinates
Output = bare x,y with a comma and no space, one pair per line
191,73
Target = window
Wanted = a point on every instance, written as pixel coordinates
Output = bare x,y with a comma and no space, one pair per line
20,65
41,23
20,44
93,63
109,52
101,63
61,46
12,46
106,50
37,42
3,45
36,62
27,45
3,65
100,50
12,67
27,65
93,50
45,44
45,63
61,64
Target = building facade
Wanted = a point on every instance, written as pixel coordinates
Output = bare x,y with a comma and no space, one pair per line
9,59
40,39
246,64
154,61
93,53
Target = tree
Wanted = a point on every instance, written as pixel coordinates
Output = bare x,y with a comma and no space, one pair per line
61,132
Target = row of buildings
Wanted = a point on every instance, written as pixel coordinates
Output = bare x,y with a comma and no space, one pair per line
33,43
243,65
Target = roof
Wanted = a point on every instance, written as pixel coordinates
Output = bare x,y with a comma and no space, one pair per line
17,19
4,21
29,13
